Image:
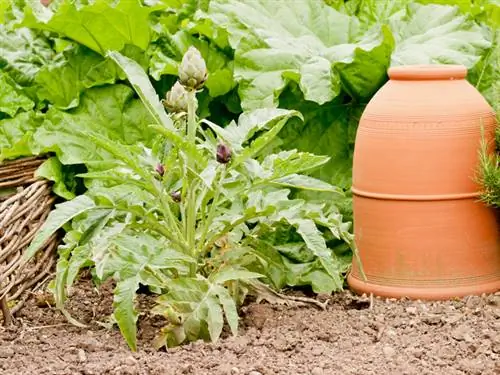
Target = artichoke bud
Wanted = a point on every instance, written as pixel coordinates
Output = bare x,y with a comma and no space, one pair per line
193,70
160,169
223,154
176,196
176,100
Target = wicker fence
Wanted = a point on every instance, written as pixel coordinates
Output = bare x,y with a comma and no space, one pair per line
25,203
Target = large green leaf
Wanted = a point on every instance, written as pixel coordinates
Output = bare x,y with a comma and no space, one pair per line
110,111
485,74
62,81
22,53
327,130
12,97
372,12
301,42
435,34
481,10
52,170
16,135
100,25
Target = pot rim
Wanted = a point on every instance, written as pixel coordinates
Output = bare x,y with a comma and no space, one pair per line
424,72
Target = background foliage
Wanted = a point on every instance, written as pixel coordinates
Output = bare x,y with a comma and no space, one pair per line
324,59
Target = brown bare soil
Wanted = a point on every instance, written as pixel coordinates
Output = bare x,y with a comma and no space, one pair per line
396,337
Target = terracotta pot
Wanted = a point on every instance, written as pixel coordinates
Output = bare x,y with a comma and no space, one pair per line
419,227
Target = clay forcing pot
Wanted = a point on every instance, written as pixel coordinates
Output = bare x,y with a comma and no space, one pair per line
419,227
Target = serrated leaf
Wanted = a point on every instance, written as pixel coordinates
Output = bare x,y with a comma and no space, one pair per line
311,235
306,183
229,307
180,142
263,140
125,253
124,309
271,263
229,274
63,213
215,317
287,162
117,150
80,257
141,83
251,122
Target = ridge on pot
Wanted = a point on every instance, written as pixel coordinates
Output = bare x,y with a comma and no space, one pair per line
419,227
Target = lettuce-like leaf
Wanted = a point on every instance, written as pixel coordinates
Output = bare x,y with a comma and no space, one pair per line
109,110
101,25
485,74
22,53
328,129
62,81
64,182
301,42
12,97
435,34
16,135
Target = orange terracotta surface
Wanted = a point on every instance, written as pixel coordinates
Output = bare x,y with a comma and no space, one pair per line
418,225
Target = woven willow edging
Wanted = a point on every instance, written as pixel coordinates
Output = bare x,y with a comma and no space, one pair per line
25,203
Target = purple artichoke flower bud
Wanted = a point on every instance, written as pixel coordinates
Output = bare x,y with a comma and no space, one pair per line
160,169
223,154
176,196
192,70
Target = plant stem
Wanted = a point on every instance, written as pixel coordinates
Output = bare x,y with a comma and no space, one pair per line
191,186
192,123
213,206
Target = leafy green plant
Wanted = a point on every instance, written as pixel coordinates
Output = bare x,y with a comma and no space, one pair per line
200,217
488,175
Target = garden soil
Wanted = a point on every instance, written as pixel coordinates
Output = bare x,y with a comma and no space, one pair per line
395,337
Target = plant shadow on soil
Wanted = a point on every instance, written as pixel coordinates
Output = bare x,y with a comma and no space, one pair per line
395,337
